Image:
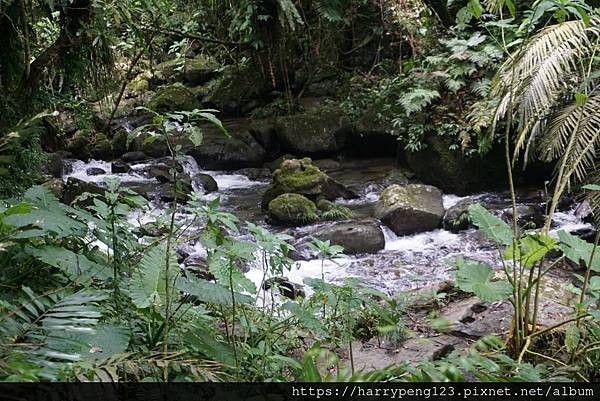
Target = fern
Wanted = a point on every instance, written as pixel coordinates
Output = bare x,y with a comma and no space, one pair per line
147,285
417,99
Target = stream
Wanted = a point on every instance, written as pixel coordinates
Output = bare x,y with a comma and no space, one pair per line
406,263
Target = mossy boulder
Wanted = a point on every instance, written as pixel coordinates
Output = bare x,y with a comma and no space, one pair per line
454,172
174,97
219,152
304,178
80,144
200,69
410,209
313,134
138,85
119,142
292,210
101,148
75,187
238,90
54,165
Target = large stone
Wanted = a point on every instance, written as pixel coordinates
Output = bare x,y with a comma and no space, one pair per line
302,177
101,148
76,187
80,144
449,169
135,156
208,183
174,97
363,236
285,287
54,165
219,152
182,189
200,69
292,210
410,209
313,135
119,142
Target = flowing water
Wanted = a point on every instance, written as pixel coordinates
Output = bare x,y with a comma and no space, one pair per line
406,263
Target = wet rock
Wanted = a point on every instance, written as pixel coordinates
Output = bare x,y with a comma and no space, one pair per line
119,143
182,189
457,217
285,287
101,148
118,167
80,145
219,152
54,165
584,211
175,97
528,216
275,164
410,209
161,172
135,156
292,210
95,171
449,169
198,266
255,174
208,183
266,135
76,187
397,177
313,135
327,164
302,177
357,237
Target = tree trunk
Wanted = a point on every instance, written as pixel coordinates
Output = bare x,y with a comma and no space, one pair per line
440,8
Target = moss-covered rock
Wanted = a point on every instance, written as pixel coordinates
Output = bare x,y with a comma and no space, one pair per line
200,69
102,148
304,178
119,143
138,85
410,209
292,209
174,97
80,144
76,187
312,134
454,172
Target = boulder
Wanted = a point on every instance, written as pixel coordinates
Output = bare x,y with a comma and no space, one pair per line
457,218
255,173
313,135
285,287
410,209
275,164
119,142
302,177
292,210
528,216
95,171
449,169
174,97
208,182
76,187
135,156
118,167
54,165
183,188
219,152
200,69
372,136
101,148
80,145
363,236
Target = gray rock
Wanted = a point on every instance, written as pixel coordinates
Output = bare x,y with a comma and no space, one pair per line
118,167
208,183
219,152
135,156
410,209
76,187
313,135
285,287
95,171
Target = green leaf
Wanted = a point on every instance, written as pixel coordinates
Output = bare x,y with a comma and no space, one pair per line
572,338
578,251
592,187
211,293
531,249
212,348
76,267
147,286
493,227
195,135
475,277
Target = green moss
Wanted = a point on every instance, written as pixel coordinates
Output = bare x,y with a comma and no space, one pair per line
201,62
138,85
174,97
292,209
295,176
